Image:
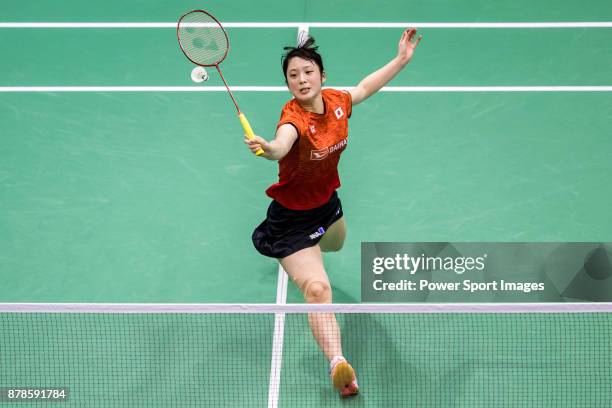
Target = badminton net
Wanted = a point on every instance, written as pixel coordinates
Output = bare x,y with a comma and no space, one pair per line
226,355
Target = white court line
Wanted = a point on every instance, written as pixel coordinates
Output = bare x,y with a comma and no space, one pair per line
277,341
281,286
204,88
279,318
568,24
201,88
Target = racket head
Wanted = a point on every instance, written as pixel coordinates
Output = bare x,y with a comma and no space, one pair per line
202,38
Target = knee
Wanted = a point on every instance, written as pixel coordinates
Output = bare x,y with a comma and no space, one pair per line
318,292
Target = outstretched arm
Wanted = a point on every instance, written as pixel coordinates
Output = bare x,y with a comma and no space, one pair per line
276,149
376,80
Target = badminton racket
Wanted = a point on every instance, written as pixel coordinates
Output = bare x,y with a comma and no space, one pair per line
205,42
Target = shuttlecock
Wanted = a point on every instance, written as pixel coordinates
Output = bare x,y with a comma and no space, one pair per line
199,74
302,36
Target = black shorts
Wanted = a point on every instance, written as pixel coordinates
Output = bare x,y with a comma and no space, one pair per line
286,231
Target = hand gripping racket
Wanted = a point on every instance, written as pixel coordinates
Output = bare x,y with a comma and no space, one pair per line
204,42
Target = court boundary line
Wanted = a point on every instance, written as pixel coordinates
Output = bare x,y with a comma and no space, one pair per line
281,286
553,307
278,340
204,88
279,318
560,24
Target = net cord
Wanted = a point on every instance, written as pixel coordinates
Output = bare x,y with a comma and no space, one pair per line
566,307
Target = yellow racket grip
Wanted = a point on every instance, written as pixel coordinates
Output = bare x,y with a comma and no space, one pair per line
248,131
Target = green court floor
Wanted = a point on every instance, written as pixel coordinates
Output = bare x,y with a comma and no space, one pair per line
151,197
145,198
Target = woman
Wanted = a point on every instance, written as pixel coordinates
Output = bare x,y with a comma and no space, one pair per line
305,217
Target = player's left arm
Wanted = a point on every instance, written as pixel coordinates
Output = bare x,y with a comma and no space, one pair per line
376,80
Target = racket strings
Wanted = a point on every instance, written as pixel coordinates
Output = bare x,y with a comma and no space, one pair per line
202,38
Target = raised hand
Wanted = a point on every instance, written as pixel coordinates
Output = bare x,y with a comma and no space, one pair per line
407,45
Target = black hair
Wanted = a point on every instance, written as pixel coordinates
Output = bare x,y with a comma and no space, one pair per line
307,51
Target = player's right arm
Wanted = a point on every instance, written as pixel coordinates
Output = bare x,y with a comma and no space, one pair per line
276,149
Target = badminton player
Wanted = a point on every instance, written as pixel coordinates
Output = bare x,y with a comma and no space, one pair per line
305,217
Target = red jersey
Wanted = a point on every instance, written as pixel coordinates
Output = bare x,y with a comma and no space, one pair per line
308,174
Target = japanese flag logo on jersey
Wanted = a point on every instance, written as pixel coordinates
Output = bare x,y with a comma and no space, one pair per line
339,112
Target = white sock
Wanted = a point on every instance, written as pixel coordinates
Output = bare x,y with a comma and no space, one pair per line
335,361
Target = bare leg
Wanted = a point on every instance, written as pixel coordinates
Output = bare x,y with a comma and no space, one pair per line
306,269
333,239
